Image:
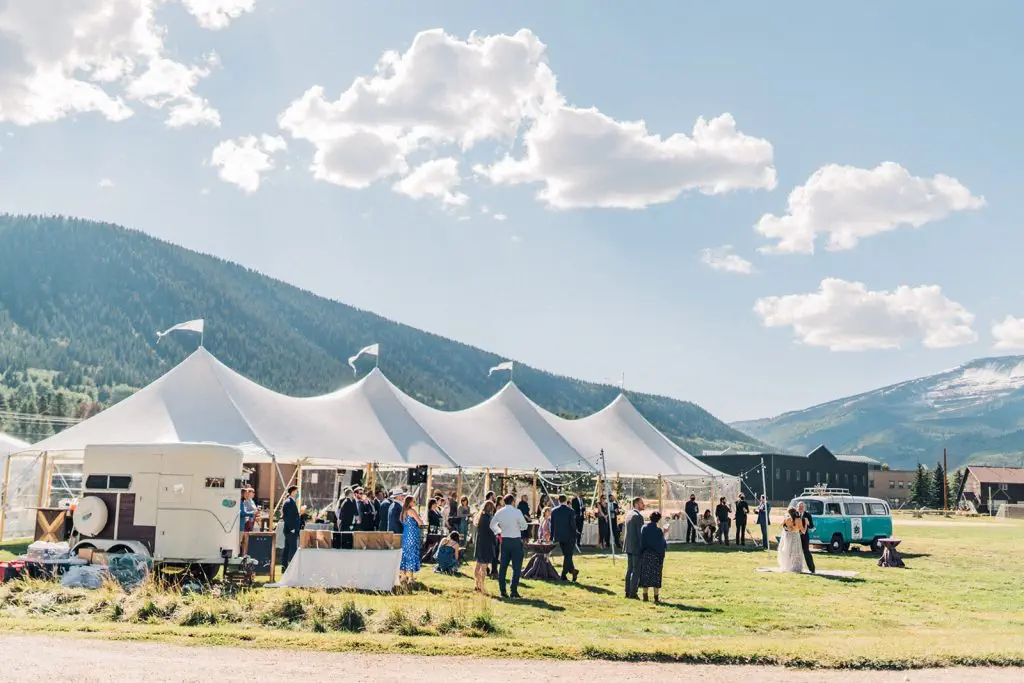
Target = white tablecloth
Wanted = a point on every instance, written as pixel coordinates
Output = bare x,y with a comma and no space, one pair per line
370,570
590,535
677,530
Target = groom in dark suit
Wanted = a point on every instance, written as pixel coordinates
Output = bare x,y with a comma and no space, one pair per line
292,523
563,532
805,537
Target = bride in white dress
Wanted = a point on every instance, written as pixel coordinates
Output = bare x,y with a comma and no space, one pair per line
791,556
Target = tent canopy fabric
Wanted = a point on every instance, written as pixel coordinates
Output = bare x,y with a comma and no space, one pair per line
8,444
372,421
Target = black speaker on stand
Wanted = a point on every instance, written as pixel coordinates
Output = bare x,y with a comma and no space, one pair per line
417,475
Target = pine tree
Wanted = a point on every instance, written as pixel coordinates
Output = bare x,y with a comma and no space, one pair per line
920,490
938,486
954,488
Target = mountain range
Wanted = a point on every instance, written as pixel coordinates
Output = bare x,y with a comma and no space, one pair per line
975,411
80,302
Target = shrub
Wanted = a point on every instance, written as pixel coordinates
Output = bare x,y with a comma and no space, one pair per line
349,619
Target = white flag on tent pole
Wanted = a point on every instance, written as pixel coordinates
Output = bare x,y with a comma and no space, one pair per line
507,365
371,350
190,326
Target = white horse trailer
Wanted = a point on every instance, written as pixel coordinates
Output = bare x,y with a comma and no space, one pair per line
177,503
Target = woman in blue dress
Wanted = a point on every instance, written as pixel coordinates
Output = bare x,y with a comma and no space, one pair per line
410,541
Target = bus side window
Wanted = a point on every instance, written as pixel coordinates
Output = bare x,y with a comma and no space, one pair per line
832,509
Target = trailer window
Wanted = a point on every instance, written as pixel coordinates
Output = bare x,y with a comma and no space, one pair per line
107,482
877,509
215,482
815,507
832,509
855,509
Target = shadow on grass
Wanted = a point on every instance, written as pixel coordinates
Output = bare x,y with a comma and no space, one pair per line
689,608
840,579
534,602
597,590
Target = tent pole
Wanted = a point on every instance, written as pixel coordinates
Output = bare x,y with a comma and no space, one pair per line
661,495
430,485
369,480
536,501
4,502
42,479
458,486
487,480
504,482
49,482
274,471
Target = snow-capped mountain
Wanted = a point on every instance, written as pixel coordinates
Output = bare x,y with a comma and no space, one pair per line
975,410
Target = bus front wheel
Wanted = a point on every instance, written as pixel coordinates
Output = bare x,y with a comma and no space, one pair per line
837,544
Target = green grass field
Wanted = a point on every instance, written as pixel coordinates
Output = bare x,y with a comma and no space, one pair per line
960,602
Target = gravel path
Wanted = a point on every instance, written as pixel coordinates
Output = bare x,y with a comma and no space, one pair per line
28,658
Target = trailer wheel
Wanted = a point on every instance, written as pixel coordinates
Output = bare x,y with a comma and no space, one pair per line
837,544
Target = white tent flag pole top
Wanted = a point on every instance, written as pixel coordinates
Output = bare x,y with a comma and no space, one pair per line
506,366
191,326
371,350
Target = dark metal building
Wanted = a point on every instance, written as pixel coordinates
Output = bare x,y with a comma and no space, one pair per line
786,476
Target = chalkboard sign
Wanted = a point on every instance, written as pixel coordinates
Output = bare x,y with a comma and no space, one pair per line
260,546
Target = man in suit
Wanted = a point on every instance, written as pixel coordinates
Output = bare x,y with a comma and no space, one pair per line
805,537
292,522
577,511
347,512
367,513
631,546
722,514
742,509
382,514
395,512
692,509
563,532
763,520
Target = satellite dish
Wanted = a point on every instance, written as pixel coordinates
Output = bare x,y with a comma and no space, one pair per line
90,516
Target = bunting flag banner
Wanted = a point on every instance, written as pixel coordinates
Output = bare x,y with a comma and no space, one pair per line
507,365
190,326
371,350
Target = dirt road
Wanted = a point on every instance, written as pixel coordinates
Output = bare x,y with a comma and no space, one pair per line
76,659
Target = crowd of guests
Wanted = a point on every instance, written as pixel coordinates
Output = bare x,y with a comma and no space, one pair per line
503,527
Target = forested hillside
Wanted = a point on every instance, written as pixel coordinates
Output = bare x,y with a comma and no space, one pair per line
80,302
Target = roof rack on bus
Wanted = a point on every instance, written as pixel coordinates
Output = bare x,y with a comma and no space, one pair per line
825,491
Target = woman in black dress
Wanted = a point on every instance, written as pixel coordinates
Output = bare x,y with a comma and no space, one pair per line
603,529
652,555
486,546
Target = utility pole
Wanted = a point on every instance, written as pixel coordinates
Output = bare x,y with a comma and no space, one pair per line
945,482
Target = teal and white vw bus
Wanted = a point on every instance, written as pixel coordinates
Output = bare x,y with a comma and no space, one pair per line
841,519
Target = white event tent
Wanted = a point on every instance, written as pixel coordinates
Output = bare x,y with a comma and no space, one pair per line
373,422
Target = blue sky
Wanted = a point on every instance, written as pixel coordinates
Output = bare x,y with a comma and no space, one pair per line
595,292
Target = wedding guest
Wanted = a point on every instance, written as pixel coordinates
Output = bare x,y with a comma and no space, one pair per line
395,511
805,535
385,507
706,525
563,532
411,522
763,520
367,512
347,512
448,554
692,509
742,509
652,559
433,518
292,521
631,546
486,545
509,523
524,507
464,514
247,517
722,513
604,534
544,532
579,517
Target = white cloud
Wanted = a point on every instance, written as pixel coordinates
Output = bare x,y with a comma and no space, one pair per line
588,159
217,14
105,183
847,204
500,217
846,316
722,258
59,58
243,162
444,91
438,179
1009,333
